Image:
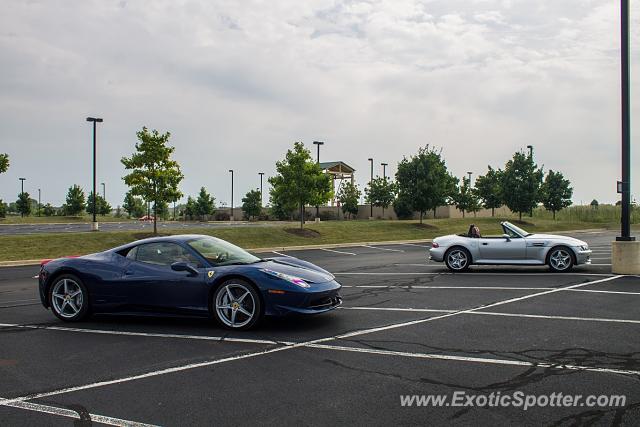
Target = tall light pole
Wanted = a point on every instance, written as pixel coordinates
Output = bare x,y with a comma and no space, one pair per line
94,120
530,147
625,229
318,143
231,218
370,183
22,180
384,170
469,173
39,194
261,199
104,191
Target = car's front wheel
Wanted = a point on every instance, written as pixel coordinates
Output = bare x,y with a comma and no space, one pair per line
457,259
560,259
236,304
69,298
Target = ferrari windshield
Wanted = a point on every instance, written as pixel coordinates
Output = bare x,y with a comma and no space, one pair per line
518,230
218,252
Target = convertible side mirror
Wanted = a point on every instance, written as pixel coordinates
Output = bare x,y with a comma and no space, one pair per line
184,266
506,236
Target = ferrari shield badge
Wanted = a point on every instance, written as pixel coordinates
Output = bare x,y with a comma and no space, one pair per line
210,273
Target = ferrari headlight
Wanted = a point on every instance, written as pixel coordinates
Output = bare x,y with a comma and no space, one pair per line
584,247
291,279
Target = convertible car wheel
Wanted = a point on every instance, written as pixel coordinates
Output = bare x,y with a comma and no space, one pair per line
237,305
69,298
458,259
560,260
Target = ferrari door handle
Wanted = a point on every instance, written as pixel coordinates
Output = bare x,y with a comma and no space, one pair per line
128,272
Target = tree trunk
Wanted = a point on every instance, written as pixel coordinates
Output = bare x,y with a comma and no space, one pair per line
421,213
155,217
301,216
463,213
493,212
554,215
520,215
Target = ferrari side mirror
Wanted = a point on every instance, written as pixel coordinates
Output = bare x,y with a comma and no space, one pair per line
184,266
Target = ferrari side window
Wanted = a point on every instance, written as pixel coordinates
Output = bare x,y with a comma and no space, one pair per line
165,254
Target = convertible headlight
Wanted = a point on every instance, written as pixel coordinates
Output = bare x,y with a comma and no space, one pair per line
291,279
584,247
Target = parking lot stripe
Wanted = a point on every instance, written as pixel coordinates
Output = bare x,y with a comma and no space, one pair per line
63,412
482,288
469,274
475,359
278,253
419,310
141,334
604,292
413,244
337,252
382,249
543,316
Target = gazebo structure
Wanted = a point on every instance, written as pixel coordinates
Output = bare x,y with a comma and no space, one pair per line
338,171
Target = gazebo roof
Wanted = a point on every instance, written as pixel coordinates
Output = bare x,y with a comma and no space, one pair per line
337,167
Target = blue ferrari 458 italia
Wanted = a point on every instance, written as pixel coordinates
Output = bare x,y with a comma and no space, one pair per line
186,275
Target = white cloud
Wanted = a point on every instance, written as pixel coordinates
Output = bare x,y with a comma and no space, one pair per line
238,82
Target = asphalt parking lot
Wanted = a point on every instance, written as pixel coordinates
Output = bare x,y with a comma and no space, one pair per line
407,327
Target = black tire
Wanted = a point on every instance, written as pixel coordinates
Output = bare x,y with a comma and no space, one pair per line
236,305
457,259
560,259
65,303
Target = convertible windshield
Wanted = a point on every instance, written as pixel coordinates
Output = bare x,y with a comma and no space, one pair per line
518,230
218,252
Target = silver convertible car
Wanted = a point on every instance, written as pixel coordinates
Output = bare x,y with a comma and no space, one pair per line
514,247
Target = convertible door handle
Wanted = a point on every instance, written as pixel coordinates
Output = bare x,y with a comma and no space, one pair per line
484,244
128,272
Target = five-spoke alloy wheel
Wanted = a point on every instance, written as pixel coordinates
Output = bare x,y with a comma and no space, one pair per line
69,298
457,259
236,304
560,259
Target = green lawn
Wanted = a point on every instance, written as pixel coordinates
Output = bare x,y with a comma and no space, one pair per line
36,246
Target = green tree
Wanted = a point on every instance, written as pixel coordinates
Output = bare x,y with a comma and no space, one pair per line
521,182
281,206
3,209
594,204
134,206
191,208
402,207
75,201
23,204
48,210
154,175
4,162
300,180
465,198
489,189
252,204
349,195
102,206
380,192
205,204
556,192
424,181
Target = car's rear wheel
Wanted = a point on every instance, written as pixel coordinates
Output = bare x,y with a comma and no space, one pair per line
69,298
236,304
560,259
457,259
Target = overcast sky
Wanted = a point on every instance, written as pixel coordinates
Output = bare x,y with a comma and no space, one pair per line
237,82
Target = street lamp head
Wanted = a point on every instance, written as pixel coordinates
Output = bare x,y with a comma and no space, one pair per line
94,119
318,142
529,146
384,164
260,173
231,170
22,179
370,159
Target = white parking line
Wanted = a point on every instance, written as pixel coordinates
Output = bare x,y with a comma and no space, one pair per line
382,249
604,292
417,310
542,316
475,359
337,252
278,253
141,334
413,244
469,274
481,288
54,410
